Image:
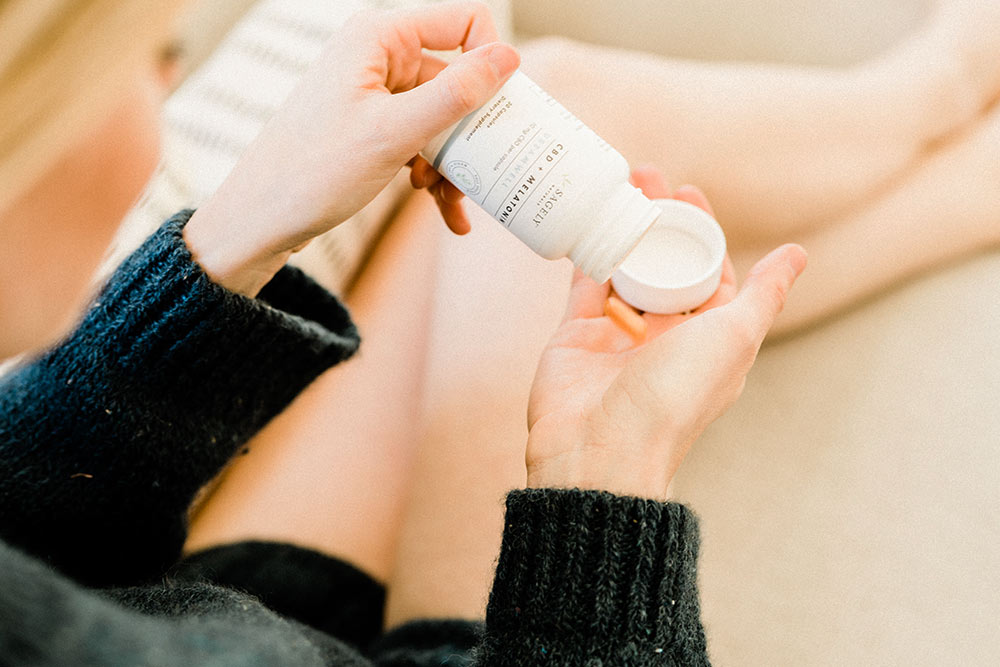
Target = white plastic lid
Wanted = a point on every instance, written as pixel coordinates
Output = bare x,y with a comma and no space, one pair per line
677,265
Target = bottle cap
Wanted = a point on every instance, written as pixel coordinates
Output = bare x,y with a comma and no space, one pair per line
619,220
677,264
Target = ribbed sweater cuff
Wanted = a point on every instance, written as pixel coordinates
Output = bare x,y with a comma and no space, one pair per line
427,642
587,574
214,350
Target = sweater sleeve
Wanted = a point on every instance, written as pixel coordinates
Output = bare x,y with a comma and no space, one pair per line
583,578
50,621
105,439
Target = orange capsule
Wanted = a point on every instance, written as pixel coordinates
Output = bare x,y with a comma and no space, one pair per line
626,317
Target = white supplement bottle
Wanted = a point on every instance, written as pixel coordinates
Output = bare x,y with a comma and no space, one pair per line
546,177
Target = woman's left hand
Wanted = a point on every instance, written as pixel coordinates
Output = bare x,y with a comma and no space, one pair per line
611,414
370,104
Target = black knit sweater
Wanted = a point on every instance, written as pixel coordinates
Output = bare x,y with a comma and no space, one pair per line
105,439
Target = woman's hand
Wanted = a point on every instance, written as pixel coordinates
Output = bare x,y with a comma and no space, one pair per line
608,414
373,100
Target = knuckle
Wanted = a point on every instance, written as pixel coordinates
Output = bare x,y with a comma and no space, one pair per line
381,147
745,335
461,97
774,295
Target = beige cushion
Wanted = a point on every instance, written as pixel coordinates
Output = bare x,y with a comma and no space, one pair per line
849,500
799,31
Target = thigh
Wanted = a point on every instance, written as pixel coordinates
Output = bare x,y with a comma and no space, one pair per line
331,471
495,305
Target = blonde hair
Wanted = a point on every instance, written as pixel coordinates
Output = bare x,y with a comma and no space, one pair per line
63,65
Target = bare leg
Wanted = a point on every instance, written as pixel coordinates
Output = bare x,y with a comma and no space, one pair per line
332,471
946,207
496,304
782,149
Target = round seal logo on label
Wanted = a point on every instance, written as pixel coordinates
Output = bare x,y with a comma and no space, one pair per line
463,175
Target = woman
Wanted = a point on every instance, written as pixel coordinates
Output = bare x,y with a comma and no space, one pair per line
881,170
202,336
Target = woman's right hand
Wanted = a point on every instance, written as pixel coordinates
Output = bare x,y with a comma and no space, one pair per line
372,101
608,414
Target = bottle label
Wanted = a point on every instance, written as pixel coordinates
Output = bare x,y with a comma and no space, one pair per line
521,157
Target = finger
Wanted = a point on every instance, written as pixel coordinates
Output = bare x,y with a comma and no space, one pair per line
720,346
449,25
765,290
456,219
659,324
726,292
422,173
433,178
430,67
397,39
453,213
651,181
586,298
727,288
450,193
403,42
458,90
694,195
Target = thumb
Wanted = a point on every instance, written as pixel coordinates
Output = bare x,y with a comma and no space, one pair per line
586,298
766,288
459,89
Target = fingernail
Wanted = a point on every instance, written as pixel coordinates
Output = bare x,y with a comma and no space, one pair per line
504,59
801,259
691,190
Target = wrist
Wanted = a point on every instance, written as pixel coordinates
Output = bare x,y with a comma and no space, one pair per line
631,470
227,258
645,485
